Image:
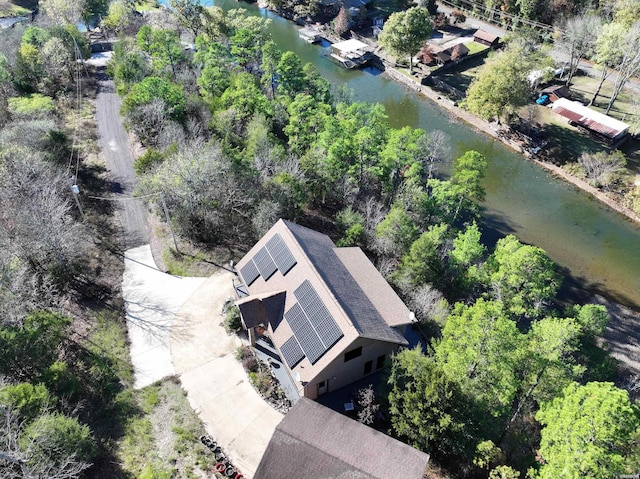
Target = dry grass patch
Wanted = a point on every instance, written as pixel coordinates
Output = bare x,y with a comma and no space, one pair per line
163,440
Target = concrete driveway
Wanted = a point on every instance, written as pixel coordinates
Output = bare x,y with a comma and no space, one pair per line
217,387
152,298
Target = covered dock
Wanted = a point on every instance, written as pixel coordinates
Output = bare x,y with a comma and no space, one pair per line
310,34
351,53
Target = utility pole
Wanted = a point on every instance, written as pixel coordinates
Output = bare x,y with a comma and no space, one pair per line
166,213
75,191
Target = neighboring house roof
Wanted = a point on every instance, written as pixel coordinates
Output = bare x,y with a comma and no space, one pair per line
486,36
590,119
458,51
314,442
561,91
332,296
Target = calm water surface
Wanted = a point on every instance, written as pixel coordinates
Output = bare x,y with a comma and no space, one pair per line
599,248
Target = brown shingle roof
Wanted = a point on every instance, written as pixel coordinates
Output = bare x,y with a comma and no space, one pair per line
486,36
379,292
314,442
264,309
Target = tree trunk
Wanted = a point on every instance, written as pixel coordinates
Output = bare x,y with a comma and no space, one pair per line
410,63
603,77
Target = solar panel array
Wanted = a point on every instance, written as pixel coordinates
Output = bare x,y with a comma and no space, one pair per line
280,253
292,352
274,255
265,263
249,273
313,326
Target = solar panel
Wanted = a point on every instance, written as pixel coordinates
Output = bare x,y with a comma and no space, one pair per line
305,293
280,253
319,316
306,335
310,342
292,352
329,332
265,264
249,273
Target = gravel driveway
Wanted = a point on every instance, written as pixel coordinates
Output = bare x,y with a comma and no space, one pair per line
116,150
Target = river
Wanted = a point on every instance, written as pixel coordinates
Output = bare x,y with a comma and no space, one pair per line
599,249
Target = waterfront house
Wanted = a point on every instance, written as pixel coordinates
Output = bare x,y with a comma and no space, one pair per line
327,311
314,442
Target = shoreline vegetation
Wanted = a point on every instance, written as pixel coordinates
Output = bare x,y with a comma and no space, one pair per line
473,121
486,127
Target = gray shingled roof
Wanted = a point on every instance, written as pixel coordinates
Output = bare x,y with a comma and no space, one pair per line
262,309
314,442
365,317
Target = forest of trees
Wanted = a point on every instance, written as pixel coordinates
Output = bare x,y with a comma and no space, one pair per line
237,134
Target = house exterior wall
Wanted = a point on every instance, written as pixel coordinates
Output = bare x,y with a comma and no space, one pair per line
340,373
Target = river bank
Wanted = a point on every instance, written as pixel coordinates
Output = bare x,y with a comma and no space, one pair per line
489,129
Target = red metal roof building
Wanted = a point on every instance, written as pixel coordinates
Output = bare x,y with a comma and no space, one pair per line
592,120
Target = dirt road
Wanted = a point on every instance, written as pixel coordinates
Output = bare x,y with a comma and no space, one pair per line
116,149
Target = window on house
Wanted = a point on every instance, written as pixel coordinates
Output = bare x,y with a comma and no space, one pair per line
367,367
380,362
354,353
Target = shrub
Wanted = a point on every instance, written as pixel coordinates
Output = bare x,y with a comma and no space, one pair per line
32,106
29,400
351,223
232,320
251,364
147,160
58,437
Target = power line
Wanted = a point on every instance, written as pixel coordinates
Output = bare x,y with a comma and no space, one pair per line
477,8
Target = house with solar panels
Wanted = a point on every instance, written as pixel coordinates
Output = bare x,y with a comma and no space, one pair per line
327,311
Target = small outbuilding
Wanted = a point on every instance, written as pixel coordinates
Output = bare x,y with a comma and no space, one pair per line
314,442
555,92
602,125
486,38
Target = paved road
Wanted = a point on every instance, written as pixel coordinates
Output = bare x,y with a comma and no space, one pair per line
559,56
116,149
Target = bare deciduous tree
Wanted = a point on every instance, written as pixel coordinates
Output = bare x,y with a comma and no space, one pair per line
629,62
36,221
603,169
368,406
21,456
436,148
577,38
209,199
429,304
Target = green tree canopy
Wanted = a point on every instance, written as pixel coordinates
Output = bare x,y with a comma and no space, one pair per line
478,349
405,32
156,88
591,431
425,405
521,276
501,86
